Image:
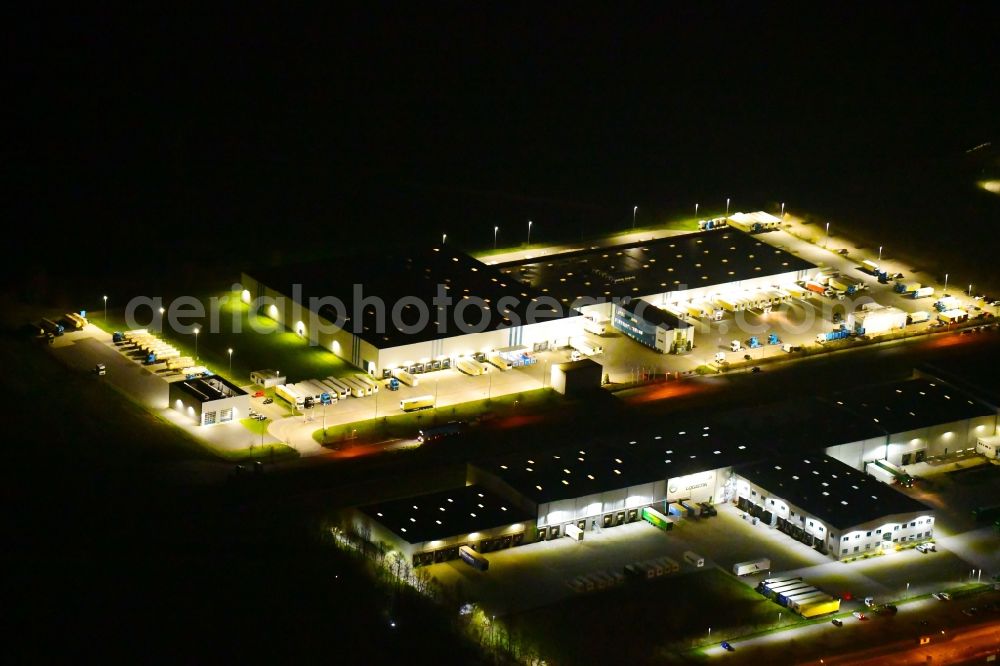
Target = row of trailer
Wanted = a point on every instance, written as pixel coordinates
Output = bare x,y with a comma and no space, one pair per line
798,596
155,349
327,391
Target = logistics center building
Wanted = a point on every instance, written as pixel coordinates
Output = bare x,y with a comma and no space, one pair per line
830,506
486,311
806,478
508,308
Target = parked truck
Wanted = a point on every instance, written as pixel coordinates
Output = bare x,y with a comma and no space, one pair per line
290,395
405,377
498,361
815,287
918,317
469,366
953,316
906,287
752,566
179,362
594,326
414,404
657,519
694,558
923,292
74,321
586,347
367,380
836,334
342,389
819,607
52,328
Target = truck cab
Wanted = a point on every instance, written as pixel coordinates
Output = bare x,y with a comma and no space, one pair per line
100,369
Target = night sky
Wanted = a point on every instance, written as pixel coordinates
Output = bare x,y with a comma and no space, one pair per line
240,139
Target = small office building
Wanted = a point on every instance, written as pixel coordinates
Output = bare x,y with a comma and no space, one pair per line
649,325
210,400
267,378
576,377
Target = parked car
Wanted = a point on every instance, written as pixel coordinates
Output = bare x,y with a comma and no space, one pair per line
970,611
727,647
842,250
268,401
926,547
258,394
942,596
837,623
859,615
887,609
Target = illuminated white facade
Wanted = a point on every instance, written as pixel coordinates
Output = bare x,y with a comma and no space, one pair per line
551,333
882,533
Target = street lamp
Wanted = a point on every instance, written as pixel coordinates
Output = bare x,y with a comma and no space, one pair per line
196,332
782,210
105,308
495,230
634,210
880,253
946,284
529,232
696,210
827,237
444,238
230,350
727,206
162,310
970,291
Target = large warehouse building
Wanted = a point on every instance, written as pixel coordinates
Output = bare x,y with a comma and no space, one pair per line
675,270
528,306
488,311
804,476
917,419
830,506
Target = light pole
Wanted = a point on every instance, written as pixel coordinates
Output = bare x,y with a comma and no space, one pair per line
529,232
196,332
827,237
880,253
495,230
635,209
162,310
105,308
782,210
230,350
727,206
970,291
444,238
696,210
945,284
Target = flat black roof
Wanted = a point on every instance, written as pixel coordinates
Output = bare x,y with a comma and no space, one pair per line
206,389
605,463
445,514
910,404
836,493
652,314
416,273
687,261
798,424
